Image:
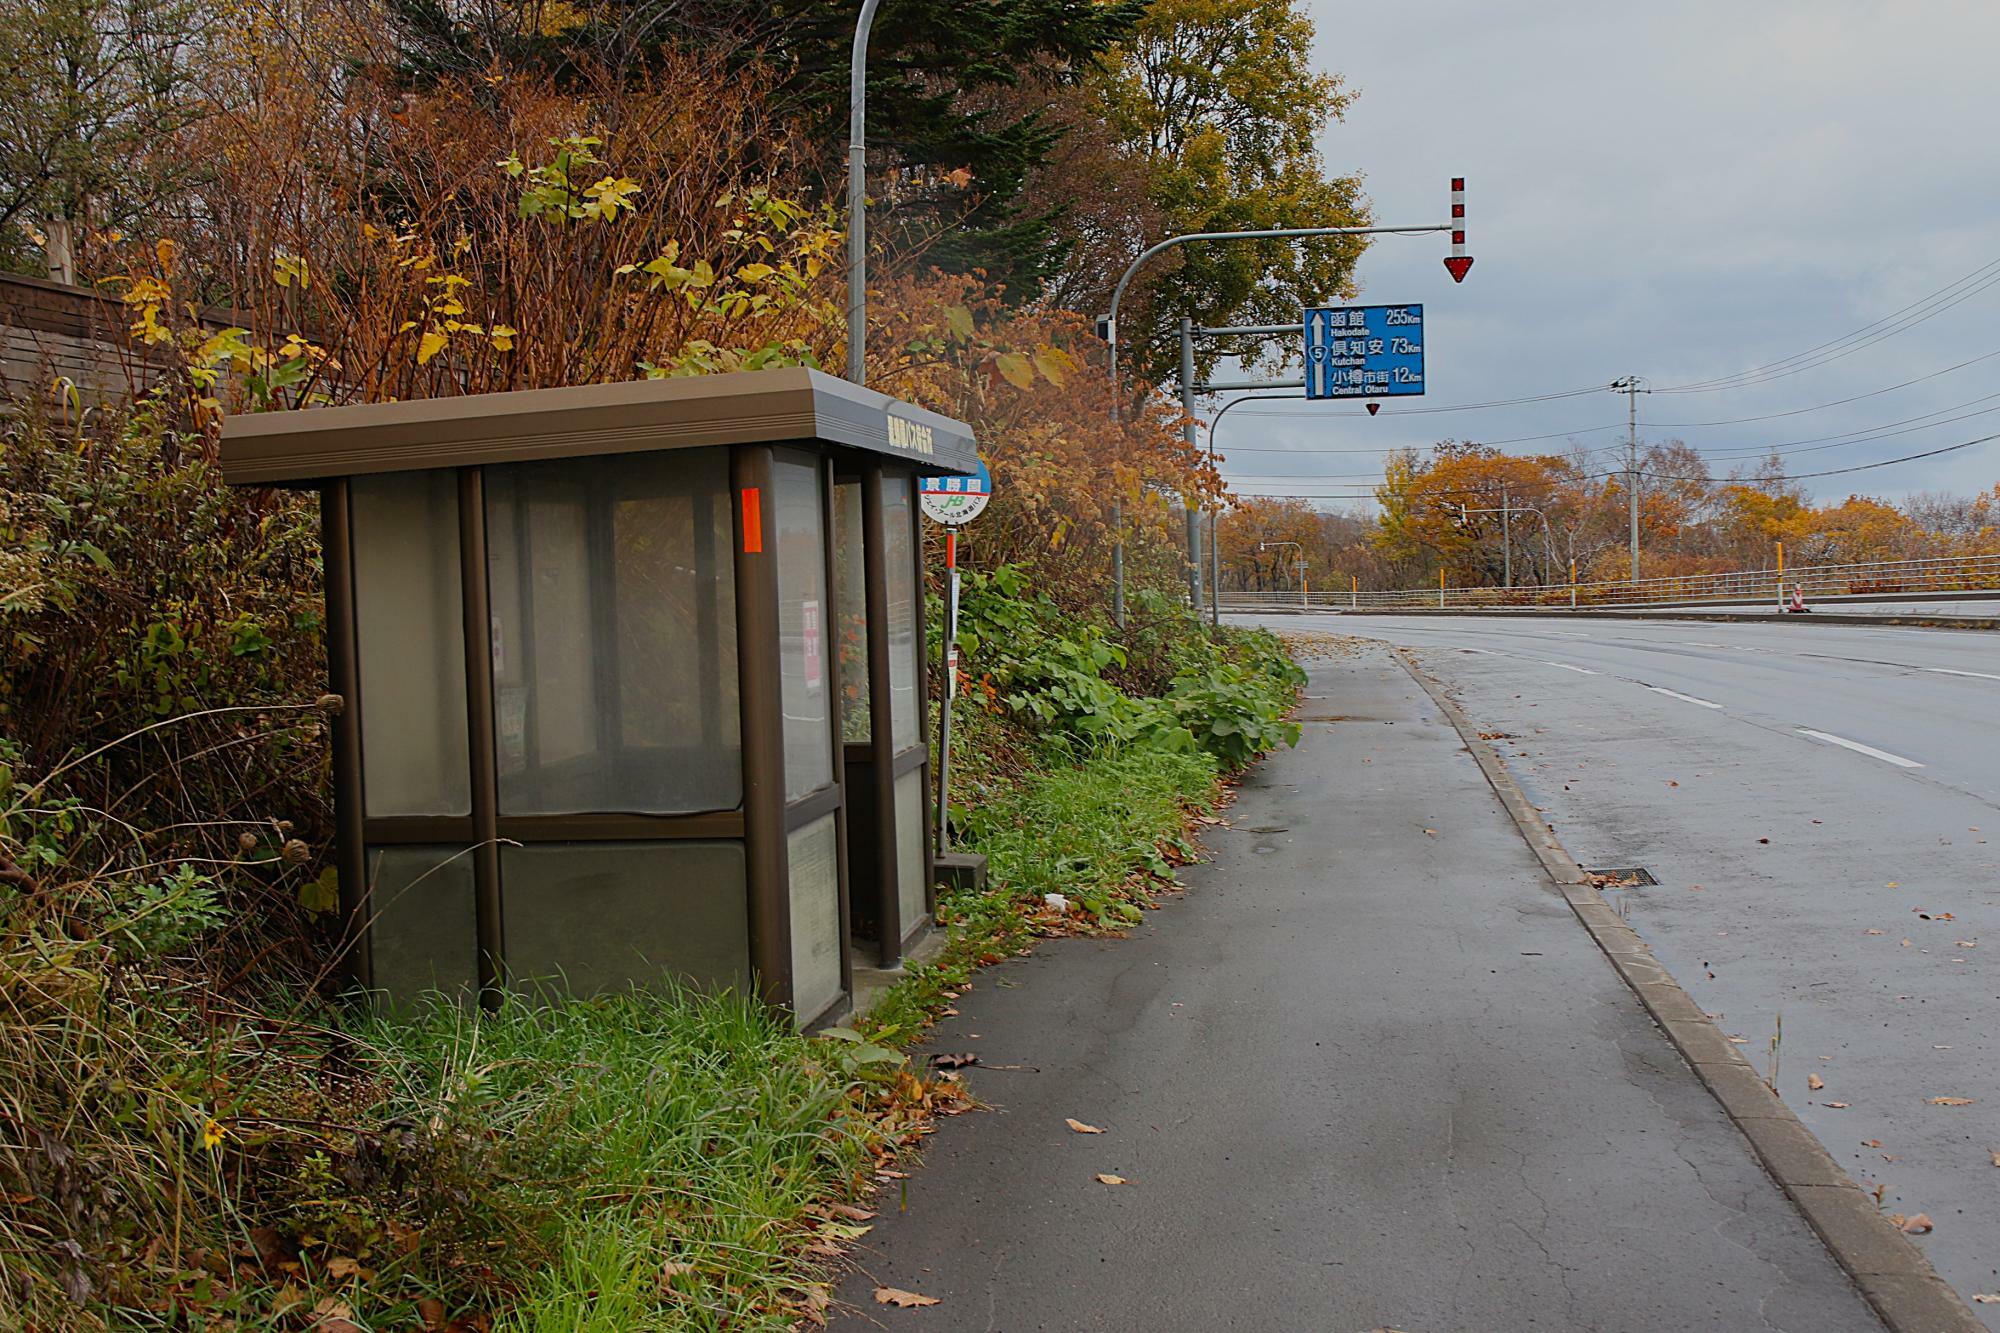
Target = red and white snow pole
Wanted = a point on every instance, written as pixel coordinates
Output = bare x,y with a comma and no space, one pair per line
1459,261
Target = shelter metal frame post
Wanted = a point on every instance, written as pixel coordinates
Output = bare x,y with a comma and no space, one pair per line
922,667
766,861
881,719
350,857
481,745
836,723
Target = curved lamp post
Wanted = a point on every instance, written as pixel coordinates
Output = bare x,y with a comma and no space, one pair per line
1215,519
857,196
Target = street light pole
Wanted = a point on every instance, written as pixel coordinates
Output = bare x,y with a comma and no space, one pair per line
1188,429
857,196
1215,519
1304,598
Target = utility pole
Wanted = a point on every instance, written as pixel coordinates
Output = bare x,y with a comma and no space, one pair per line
1632,386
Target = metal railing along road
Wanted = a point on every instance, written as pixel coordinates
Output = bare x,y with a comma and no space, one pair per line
1886,580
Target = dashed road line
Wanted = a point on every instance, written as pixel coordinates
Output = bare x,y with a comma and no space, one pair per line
1859,748
1581,671
1684,698
1947,671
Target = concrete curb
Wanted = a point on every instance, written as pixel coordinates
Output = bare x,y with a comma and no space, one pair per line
1892,1274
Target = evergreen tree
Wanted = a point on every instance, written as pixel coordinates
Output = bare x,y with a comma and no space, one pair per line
952,137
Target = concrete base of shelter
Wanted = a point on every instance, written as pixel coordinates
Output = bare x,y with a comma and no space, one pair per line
871,983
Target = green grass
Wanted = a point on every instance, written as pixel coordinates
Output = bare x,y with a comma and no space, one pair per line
634,1132
1090,827
653,1160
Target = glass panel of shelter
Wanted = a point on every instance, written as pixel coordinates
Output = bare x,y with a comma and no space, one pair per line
882,718
614,635
613,602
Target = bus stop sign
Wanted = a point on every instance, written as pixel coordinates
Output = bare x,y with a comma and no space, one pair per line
955,500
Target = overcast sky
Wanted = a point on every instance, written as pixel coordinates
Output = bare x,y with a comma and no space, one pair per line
1682,190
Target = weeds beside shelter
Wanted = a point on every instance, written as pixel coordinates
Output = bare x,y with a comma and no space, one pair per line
632,679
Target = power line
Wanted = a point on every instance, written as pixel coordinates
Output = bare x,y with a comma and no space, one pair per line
1696,481
1866,336
1831,472
1661,425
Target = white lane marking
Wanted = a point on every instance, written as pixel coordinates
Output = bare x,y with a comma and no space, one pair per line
1581,671
1947,671
1684,698
1859,748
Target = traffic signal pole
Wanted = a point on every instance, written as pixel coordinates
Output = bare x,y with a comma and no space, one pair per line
1458,262
1188,428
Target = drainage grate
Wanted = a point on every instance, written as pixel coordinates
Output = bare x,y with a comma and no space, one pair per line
1621,877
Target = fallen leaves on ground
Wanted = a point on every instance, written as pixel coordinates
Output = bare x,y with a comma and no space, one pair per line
1988,1298
1952,1101
1838,1106
906,1300
1874,932
1918,1224
1815,1082
1080,1127
1104,1178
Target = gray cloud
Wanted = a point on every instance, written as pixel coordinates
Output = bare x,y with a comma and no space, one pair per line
1682,191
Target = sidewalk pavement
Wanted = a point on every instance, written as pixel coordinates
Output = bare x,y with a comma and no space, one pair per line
1369,1073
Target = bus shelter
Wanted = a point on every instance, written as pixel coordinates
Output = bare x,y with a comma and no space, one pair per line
632,678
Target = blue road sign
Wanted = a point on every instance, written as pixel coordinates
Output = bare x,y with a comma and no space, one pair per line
1364,351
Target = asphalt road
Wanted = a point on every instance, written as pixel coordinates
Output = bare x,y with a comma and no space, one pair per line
1369,1072
1821,805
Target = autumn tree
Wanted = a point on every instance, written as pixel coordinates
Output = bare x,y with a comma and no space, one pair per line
1430,512
1221,102
93,94
956,94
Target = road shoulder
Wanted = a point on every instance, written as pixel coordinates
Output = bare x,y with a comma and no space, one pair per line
1366,1073
1894,1276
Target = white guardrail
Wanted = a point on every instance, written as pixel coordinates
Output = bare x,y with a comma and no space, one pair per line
1888,580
